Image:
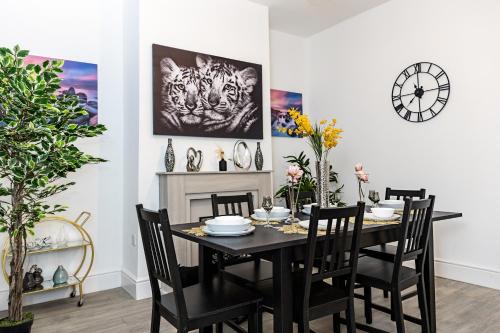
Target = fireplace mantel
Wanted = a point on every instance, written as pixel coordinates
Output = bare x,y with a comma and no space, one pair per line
186,195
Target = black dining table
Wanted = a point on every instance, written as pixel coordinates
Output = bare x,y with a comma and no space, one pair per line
284,249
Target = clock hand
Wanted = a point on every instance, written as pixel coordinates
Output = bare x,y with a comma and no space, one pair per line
408,94
413,99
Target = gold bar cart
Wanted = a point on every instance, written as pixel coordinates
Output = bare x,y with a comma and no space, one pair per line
83,269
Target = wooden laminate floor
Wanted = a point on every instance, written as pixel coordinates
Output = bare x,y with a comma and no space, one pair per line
461,308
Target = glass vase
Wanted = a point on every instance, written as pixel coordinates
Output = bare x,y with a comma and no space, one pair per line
322,181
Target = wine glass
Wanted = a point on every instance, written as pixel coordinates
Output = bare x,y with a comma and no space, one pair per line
267,205
374,197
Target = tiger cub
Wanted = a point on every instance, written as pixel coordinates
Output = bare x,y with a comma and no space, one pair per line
180,95
225,94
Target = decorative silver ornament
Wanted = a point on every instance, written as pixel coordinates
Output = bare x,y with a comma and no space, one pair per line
242,156
194,160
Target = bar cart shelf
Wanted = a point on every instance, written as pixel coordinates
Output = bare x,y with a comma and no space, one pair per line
77,278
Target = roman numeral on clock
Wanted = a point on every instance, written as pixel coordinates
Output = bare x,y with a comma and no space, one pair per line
442,100
440,74
399,107
420,118
407,115
417,68
395,98
444,87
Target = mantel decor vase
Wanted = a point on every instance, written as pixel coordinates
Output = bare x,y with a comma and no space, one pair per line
322,180
169,157
60,276
222,163
259,158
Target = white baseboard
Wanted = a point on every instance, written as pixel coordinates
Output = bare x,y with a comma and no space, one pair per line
94,282
481,276
138,288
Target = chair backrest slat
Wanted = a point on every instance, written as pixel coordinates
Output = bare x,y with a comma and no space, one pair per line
160,256
339,239
402,194
233,204
414,238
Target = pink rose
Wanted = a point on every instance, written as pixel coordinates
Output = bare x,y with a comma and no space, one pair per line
294,173
362,176
358,167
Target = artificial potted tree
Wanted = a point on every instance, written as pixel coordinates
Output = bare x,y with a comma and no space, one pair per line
37,152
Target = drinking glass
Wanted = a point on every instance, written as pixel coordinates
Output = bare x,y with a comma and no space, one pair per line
374,197
267,205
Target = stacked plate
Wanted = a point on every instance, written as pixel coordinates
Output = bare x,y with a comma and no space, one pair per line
277,214
228,226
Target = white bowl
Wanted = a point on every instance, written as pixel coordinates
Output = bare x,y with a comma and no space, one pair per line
307,208
276,212
383,212
396,204
229,219
228,225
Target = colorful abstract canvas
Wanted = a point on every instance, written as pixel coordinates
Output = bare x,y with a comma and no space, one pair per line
281,102
78,78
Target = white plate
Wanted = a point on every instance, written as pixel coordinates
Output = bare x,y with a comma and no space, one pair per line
372,217
272,219
322,224
227,234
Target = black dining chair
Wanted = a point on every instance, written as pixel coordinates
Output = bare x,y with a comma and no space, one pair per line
241,269
325,285
385,251
196,306
304,198
393,276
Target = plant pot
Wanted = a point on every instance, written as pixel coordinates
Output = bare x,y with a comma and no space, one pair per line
23,327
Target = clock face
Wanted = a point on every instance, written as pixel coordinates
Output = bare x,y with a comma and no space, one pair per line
421,92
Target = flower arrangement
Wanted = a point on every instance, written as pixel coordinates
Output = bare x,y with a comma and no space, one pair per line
362,178
294,175
322,138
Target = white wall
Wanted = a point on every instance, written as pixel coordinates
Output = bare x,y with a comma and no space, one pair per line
288,61
83,33
232,29
352,68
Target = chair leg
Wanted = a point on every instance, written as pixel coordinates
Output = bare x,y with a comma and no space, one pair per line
303,327
393,316
351,318
386,294
422,303
398,310
219,327
155,319
254,322
368,304
336,322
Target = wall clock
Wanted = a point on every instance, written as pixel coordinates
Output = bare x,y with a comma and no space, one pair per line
420,92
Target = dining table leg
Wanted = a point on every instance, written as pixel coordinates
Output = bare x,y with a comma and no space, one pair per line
430,287
282,289
207,269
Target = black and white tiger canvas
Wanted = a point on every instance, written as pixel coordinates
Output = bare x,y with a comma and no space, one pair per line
196,94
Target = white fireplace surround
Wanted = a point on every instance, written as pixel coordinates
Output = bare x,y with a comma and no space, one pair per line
186,195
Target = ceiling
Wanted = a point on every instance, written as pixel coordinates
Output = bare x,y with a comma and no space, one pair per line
308,17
